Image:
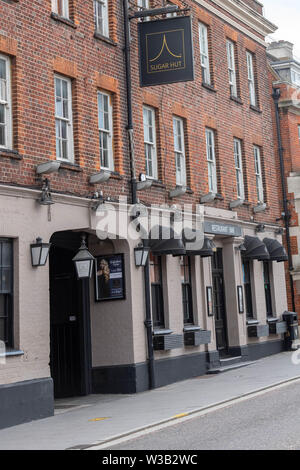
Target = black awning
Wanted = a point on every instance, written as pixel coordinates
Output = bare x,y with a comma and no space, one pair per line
255,249
208,248
276,250
164,241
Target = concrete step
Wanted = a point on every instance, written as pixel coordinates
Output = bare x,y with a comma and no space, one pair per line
228,361
219,370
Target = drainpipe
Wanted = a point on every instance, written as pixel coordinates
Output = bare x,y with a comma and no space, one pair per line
148,316
287,216
129,101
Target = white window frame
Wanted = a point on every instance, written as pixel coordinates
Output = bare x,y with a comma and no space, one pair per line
6,101
101,22
179,151
143,5
150,141
251,79
171,15
238,163
204,53
211,160
68,119
230,46
106,130
64,8
258,174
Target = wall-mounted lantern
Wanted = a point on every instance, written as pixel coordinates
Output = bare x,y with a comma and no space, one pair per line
141,253
39,252
84,261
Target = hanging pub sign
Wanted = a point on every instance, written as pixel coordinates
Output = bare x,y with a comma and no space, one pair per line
166,51
110,281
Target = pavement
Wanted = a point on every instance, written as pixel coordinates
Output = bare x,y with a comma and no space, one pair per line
84,422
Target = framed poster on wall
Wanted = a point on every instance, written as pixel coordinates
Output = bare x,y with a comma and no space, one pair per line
240,299
209,301
110,277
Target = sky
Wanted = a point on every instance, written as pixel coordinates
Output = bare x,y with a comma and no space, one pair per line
286,15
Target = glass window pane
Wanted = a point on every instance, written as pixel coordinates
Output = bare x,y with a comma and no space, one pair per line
64,129
2,114
2,69
2,135
3,329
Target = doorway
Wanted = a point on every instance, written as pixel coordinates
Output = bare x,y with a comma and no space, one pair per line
70,356
219,302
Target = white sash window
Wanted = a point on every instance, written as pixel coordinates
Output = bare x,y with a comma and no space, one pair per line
5,104
105,125
150,141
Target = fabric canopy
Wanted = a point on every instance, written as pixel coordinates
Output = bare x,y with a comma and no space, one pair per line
255,249
276,250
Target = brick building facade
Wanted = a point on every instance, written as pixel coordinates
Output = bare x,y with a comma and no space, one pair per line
208,143
285,76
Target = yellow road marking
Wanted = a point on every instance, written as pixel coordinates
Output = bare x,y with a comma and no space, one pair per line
97,419
181,415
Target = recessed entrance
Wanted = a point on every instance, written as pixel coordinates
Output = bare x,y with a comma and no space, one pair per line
70,357
219,302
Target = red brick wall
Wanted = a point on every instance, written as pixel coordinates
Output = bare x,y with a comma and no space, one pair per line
43,46
291,155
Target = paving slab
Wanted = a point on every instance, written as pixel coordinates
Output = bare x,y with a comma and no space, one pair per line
82,422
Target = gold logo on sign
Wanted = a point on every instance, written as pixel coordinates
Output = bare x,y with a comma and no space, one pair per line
167,59
165,45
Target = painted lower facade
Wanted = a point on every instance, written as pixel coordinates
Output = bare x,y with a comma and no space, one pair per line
35,370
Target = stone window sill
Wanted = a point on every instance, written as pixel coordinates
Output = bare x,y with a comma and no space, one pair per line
256,109
63,20
158,184
70,166
116,175
12,352
209,87
7,153
104,39
236,99
252,321
272,319
191,328
162,331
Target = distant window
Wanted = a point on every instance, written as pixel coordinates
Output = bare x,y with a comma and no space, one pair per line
179,150
295,76
105,124
211,160
204,54
231,67
186,287
101,17
267,285
144,5
247,287
150,141
63,119
61,8
258,174
239,168
251,78
5,103
171,15
156,291
6,291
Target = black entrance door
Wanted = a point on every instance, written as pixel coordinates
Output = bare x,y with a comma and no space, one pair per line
67,326
219,301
